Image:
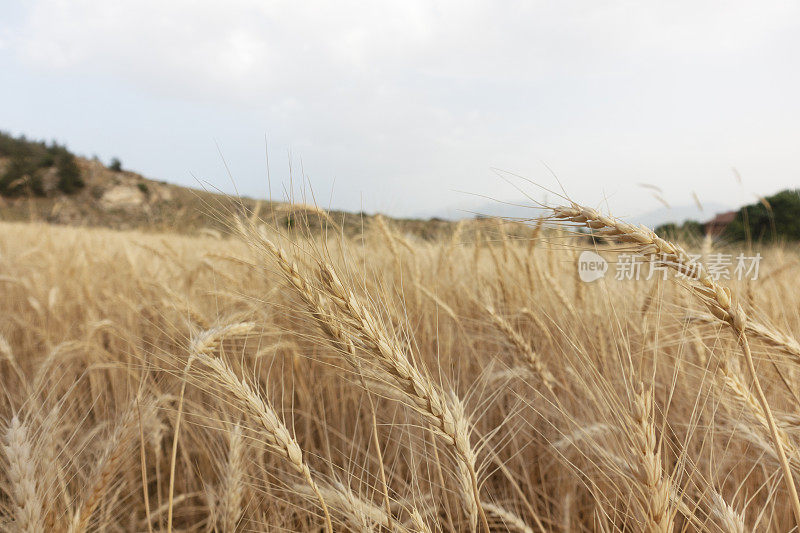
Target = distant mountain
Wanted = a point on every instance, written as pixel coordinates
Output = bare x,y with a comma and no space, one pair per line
524,209
679,214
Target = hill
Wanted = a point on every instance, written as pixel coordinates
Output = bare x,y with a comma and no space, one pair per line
46,182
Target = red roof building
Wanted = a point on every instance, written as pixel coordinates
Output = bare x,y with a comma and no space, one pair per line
717,225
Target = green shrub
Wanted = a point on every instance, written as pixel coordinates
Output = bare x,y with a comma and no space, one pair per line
689,230
28,161
22,176
116,165
69,174
48,160
777,217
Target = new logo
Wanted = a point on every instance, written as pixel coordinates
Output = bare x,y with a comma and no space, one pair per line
591,266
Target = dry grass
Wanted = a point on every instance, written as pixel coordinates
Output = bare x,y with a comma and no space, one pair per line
386,383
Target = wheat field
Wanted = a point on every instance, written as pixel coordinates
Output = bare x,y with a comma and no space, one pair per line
308,381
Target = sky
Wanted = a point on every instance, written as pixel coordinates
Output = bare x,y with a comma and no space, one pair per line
409,107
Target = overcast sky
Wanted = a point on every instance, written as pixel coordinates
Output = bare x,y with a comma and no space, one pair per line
399,106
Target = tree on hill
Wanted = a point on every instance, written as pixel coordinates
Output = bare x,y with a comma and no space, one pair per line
21,177
69,174
27,162
776,216
689,230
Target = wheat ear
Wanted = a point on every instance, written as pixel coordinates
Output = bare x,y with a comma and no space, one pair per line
359,513
26,501
743,394
426,399
233,482
445,412
204,342
731,520
508,519
116,451
769,335
717,298
277,435
532,358
655,495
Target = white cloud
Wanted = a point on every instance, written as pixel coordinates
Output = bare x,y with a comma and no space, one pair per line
254,46
429,94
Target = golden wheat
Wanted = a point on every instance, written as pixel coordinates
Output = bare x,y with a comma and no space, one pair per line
298,380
